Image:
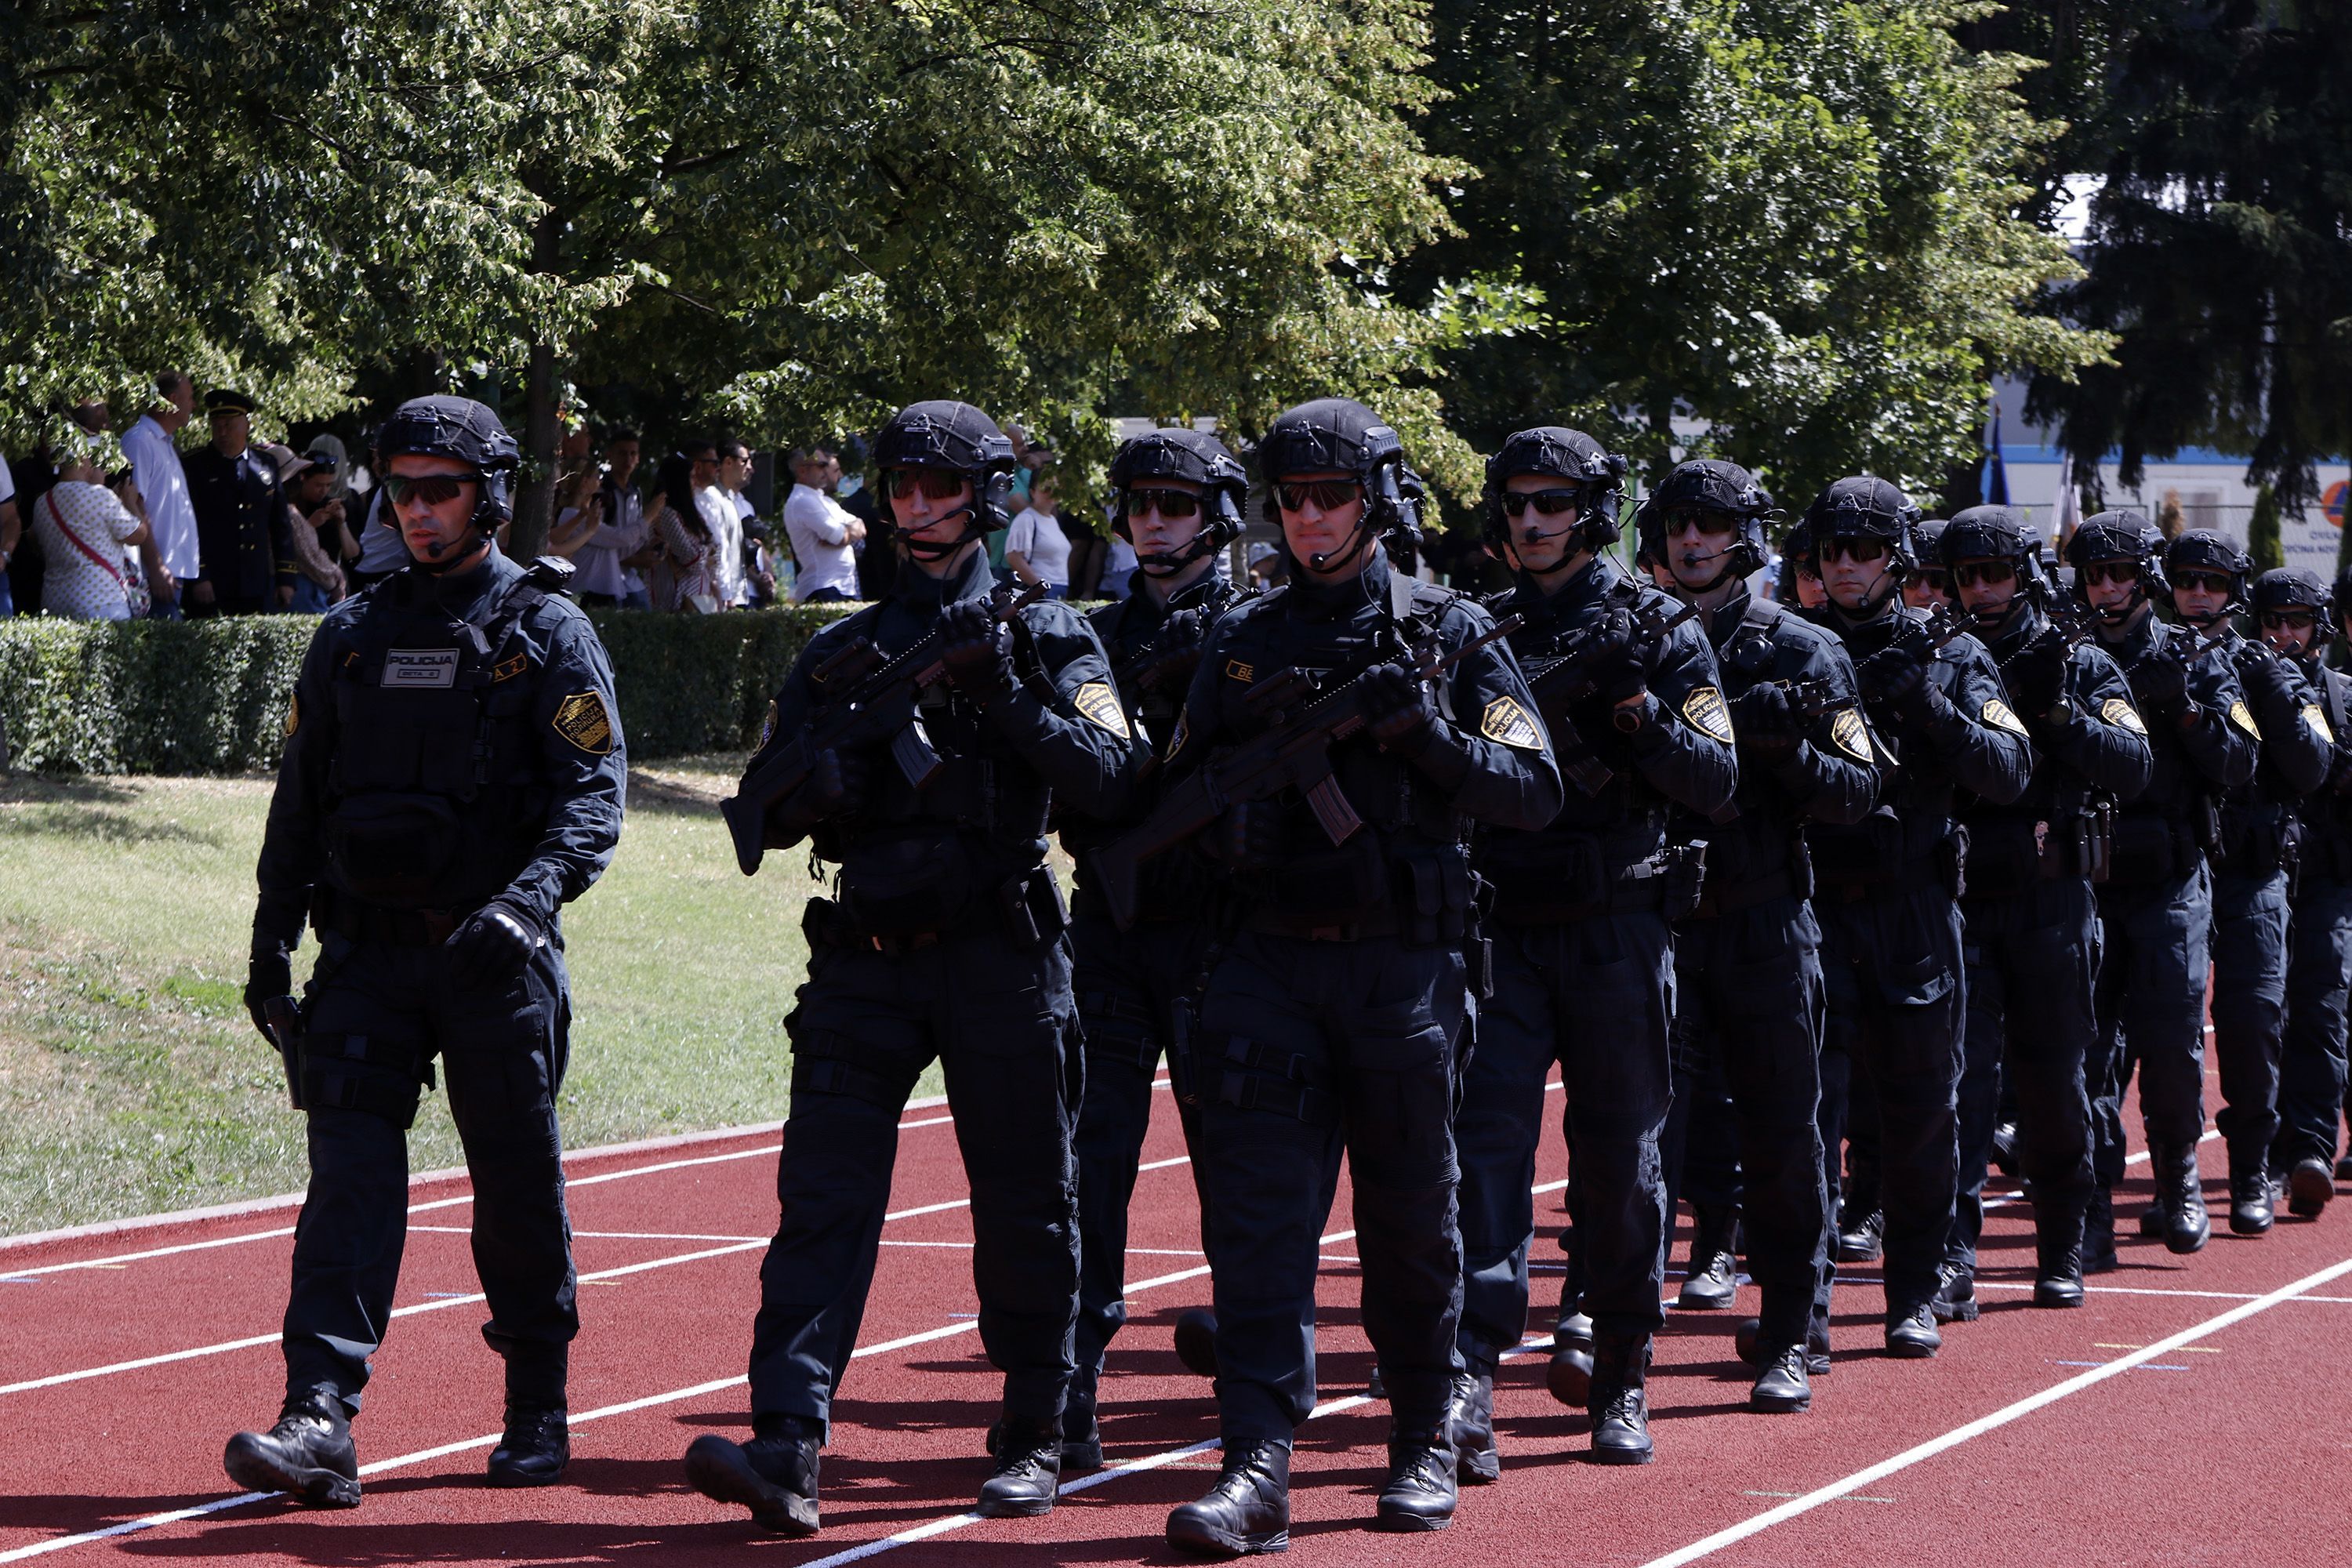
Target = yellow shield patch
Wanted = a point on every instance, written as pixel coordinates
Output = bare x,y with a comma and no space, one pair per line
1851,735
294,714
1098,702
2311,716
2243,719
581,719
2122,715
1997,714
768,728
1704,710
1507,723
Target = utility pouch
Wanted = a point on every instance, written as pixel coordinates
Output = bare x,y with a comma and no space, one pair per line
906,886
1338,886
1548,878
1034,910
1952,860
2208,819
1863,854
2004,858
393,849
1686,879
2144,850
1438,902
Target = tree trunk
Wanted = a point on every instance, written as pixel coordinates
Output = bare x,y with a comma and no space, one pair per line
535,506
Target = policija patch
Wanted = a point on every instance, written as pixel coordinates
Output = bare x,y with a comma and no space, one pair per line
2122,715
2244,720
1506,723
1853,737
2311,716
1997,714
581,719
1704,710
1097,701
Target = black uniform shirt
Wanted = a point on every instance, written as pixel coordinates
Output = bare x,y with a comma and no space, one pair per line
2214,752
2104,745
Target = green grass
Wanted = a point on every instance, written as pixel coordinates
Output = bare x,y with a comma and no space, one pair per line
130,1080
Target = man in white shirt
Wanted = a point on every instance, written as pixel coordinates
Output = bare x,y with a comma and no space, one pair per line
163,485
1036,548
758,570
823,533
717,510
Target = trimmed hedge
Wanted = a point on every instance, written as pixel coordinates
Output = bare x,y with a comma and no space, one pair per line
209,697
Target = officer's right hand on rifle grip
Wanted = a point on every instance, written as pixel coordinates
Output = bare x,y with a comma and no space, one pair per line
2037,676
1895,677
976,650
1620,663
2160,687
1766,723
1247,838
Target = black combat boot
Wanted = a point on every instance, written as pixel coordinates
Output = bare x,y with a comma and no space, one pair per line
1028,1475
1911,1333
1619,1405
1748,1341
2250,1199
2308,1188
1784,1386
1247,1511
308,1454
2004,1149
1419,1494
2183,1196
2157,1217
1569,1375
1470,1423
2344,1168
773,1474
1081,1434
2099,1233
535,1450
1196,1340
1954,1301
1865,1239
1713,1275
2058,1263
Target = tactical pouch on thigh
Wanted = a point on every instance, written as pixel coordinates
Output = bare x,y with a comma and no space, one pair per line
825,1062
1439,896
2145,849
365,1073
1120,1028
1033,912
905,887
1255,1077
1546,878
1858,854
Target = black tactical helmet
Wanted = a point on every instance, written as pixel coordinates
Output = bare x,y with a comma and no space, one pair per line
1561,453
1337,435
1986,534
1928,537
2118,536
945,434
2286,588
1709,484
2202,550
1178,452
1865,508
462,429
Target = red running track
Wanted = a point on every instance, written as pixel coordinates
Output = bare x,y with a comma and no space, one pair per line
2037,1436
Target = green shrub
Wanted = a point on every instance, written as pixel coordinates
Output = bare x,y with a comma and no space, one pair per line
209,697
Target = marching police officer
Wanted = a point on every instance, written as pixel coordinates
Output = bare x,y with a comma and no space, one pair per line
2031,933
2295,616
1179,499
1335,1014
2156,907
454,775
1886,886
943,940
1931,587
1747,970
1583,953
2208,575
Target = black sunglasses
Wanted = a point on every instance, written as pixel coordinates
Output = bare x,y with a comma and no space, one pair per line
939,484
1549,503
1173,505
2209,581
2290,620
1969,574
1329,495
2111,572
1862,549
432,490
1706,519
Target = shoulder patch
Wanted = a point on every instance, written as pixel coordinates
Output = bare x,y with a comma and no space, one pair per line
767,729
294,713
1097,701
2122,715
1851,735
1507,723
506,669
1236,671
581,719
1704,710
1997,714
2312,715
1183,731
2243,718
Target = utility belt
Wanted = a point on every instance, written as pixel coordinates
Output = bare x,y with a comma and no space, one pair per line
1174,889
1714,902
2150,847
1423,894
355,920
1875,857
1554,877
2008,855
2257,846
1027,906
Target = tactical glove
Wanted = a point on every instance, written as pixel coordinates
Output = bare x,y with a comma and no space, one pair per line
2037,674
1894,677
268,977
1620,665
1398,709
492,944
977,649
1766,723
2159,686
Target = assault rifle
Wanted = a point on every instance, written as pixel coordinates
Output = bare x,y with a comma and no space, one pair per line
1562,679
877,704
1293,754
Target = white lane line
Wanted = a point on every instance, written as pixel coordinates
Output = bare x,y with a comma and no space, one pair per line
2151,1290
1795,1507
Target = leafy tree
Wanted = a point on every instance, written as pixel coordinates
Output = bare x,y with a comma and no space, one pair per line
1793,220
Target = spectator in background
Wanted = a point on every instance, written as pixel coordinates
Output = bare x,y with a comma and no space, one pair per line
823,535
382,551
1118,568
150,445
1267,569
318,575
735,478
12,534
604,579
84,529
244,548
685,573
341,544
579,510
1036,548
723,528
